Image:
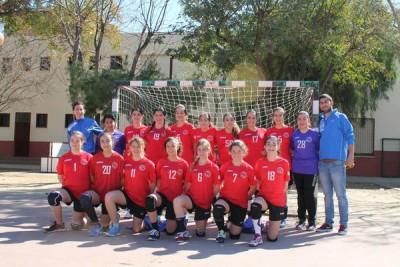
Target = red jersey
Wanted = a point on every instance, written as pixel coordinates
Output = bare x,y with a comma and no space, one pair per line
131,132
184,133
285,136
171,175
273,177
223,141
254,141
210,135
106,173
202,179
155,139
75,172
139,175
236,182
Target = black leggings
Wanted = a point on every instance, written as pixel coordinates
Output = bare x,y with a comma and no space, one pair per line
306,185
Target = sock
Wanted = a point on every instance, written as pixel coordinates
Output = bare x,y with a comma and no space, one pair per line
257,226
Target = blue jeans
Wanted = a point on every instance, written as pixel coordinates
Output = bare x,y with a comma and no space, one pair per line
333,177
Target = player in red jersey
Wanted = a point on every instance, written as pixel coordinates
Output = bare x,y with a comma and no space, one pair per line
238,185
139,181
225,137
136,128
183,130
156,135
207,131
272,173
106,174
201,186
171,172
253,137
284,134
73,175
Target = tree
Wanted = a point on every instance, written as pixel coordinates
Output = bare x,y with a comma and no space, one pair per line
337,42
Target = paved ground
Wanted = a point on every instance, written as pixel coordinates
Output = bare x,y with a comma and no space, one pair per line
374,237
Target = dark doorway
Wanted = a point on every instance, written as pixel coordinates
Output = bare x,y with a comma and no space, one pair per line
22,133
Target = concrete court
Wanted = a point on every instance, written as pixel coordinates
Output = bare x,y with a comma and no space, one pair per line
373,239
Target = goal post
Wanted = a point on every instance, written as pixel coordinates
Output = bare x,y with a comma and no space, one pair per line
216,98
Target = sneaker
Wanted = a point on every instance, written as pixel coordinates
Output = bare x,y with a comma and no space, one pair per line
182,236
256,241
127,214
55,228
153,235
113,230
76,226
342,230
311,227
301,226
283,223
221,236
95,230
324,228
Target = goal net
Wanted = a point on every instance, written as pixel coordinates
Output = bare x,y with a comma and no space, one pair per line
216,98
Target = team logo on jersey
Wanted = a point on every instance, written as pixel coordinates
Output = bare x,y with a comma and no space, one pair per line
286,135
114,165
180,171
207,174
243,174
279,170
185,132
84,162
142,167
308,139
99,162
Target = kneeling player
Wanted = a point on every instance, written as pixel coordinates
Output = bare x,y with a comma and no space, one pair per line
273,174
73,174
171,172
139,181
106,174
201,186
238,185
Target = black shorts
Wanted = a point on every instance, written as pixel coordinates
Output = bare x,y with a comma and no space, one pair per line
275,213
165,203
200,214
77,203
237,214
135,209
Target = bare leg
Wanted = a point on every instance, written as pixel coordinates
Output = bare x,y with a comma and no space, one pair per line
57,210
112,199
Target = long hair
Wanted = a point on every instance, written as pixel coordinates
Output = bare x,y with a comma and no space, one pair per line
202,142
235,129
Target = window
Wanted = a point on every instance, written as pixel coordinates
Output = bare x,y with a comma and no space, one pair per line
26,63
41,120
6,65
44,63
116,62
4,119
364,131
69,118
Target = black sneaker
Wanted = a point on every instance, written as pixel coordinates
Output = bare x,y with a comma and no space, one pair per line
153,235
324,228
55,228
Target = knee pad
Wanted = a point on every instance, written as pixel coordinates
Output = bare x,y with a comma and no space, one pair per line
86,201
234,237
255,211
54,198
218,211
150,203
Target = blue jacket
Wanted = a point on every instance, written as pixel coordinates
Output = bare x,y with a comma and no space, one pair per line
89,128
336,134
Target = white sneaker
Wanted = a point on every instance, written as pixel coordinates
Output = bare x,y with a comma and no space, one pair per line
182,236
127,214
256,241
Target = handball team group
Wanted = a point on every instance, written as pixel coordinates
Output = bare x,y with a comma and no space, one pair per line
206,171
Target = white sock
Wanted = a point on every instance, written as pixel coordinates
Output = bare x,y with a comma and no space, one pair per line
257,227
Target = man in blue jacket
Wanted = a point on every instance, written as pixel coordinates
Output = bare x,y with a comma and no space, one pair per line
335,155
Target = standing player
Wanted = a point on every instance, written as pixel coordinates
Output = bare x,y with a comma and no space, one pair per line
201,186
171,172
88,127
272,174
253,137
139,181
156,135
136,128
118,138
73,175
182,129
305,146
284,134
106,174
225,137
238,185
207,131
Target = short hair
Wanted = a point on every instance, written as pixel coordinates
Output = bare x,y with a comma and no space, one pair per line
107,116
327,96
239,143
280,109
80,135
176,141
77,103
